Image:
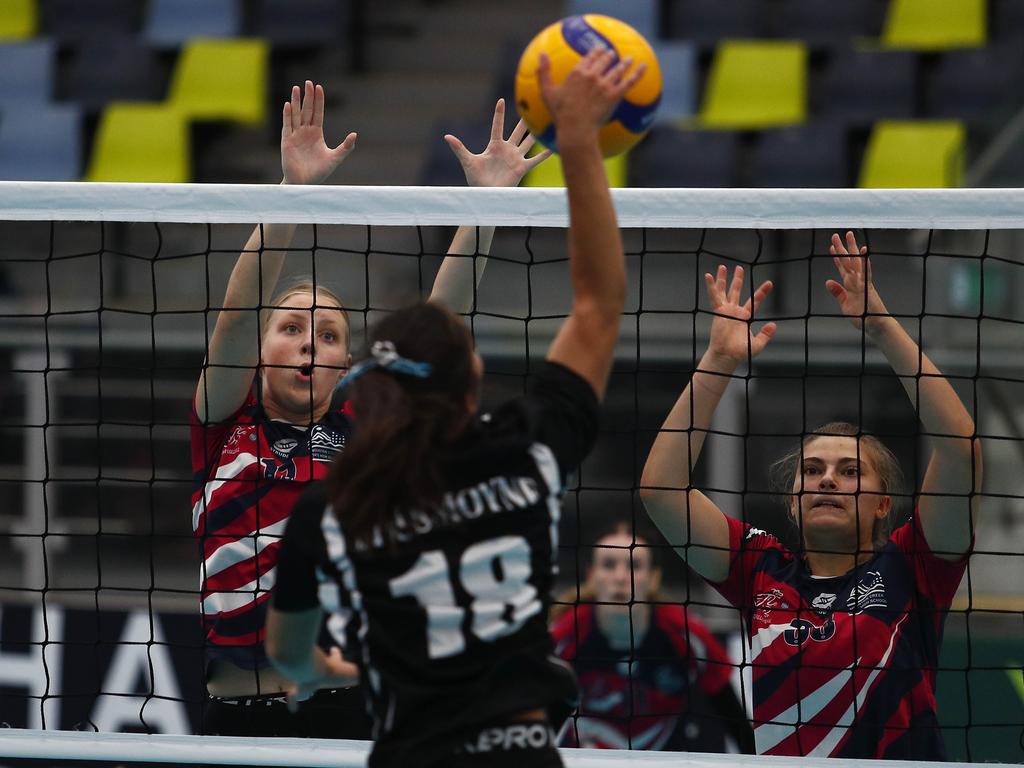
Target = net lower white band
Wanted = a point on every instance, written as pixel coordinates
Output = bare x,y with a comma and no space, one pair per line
450,206
324,753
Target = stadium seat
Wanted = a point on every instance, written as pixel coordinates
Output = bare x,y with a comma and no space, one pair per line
708,21
931,25
549,173
171,23
914,154
642,15
71,21
824,24
40,143
221,80
864,86
678,62
300,23
140,142
976,84
756,84
1007,20
26,71
18,19
669,157
805,156
113,69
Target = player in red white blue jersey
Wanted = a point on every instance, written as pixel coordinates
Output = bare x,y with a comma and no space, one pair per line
844,633
652,676
266,421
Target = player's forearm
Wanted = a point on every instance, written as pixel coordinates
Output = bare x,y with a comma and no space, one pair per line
938,406
461,271
681,439
259,265
596,264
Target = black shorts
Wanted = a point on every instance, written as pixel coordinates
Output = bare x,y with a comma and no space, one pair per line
506,744
328,714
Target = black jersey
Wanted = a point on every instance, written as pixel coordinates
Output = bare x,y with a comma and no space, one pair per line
445,610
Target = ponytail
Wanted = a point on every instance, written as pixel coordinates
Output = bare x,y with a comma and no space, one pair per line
405,425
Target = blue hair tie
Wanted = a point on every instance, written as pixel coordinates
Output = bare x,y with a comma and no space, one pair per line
384,355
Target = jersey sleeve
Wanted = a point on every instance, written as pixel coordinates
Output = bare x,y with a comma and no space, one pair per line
562,412
302,548
935,578
747,545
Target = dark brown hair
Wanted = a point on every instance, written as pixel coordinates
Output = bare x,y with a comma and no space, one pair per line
404,425
784,471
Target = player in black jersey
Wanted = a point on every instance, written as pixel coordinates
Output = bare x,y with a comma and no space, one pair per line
433,547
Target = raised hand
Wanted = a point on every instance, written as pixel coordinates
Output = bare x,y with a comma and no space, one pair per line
856,292
591,91
503,163
732,338
305,156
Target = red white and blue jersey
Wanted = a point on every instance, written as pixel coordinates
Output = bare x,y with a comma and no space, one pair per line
639,698
843,666
248,472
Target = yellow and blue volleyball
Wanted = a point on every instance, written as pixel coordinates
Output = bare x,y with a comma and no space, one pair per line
566,42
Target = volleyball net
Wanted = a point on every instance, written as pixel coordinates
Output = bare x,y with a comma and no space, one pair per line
108,293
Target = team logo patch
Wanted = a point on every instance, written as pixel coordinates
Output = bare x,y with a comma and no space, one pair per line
284,447
765,601
869,593
325,443
823,601
232,444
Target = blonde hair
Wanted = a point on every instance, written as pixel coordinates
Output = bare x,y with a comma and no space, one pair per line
783,472
306,285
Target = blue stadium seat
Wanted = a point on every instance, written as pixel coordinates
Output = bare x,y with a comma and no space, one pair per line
825,24
678,62
642,15
976,84
1007,22
813,155
169,23
708,21
26,71
113,69
71,21
40,144
674,158
863,86
299,23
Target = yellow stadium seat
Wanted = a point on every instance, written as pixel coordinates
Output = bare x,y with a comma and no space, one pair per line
549,173
904,153
935,25
221,80
141,142
18,19
754,85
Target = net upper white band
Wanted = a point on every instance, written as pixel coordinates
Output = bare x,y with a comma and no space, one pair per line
449,206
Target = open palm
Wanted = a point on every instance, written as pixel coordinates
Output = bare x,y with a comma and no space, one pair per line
503,163
305,156
732,336
854,291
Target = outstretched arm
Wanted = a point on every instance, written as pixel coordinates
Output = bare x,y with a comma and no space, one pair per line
233,352
597,265
503,163
948,502
685,515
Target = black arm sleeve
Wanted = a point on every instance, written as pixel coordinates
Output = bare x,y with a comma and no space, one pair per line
302,549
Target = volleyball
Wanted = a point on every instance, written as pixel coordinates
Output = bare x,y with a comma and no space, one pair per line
566,42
